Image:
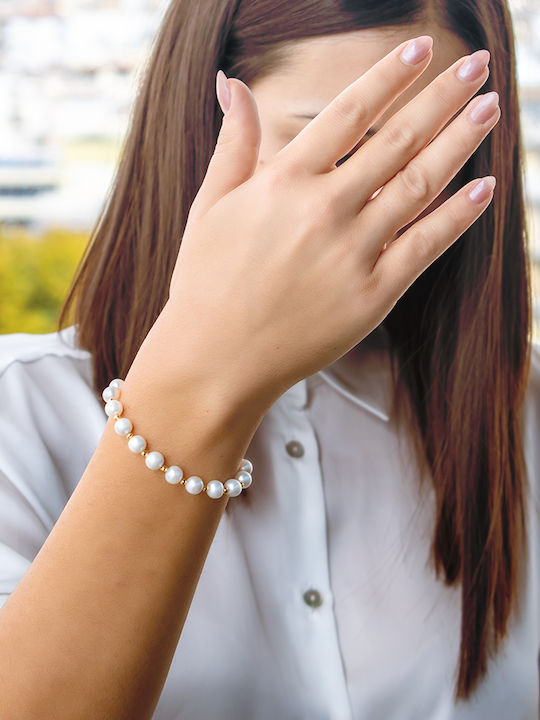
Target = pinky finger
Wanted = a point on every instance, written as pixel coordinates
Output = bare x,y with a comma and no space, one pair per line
407,257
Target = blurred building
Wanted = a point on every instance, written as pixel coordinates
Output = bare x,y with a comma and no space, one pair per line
68,75
526,18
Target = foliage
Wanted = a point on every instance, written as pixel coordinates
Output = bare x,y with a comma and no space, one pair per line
35,274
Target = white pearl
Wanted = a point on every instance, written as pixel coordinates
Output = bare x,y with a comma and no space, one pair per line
174,474
110,393
194,485
244,478
214,489
114,407
246,465
123,426
117,383
154,460
137,444
233,486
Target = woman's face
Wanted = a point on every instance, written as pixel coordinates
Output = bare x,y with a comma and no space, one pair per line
318,69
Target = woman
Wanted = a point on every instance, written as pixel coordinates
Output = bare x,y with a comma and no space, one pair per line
329,292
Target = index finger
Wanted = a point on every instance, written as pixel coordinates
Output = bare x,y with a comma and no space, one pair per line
337,128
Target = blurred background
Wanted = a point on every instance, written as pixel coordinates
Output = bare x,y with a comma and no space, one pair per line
68,77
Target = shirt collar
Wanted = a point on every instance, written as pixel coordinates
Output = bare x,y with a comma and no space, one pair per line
362,375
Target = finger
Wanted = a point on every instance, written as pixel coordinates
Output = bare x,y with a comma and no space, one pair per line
408,256
408,131
237,149
423,179
339,126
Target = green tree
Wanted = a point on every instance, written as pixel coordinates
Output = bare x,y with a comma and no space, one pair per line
35,274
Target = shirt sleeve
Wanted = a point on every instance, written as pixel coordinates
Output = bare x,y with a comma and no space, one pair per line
531,441
49,426
31,492
22,533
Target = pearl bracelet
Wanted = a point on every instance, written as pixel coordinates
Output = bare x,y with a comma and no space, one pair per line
155,461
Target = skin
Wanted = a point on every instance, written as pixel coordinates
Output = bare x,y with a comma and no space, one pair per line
318,69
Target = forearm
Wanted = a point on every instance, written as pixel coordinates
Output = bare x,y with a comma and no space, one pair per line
91,629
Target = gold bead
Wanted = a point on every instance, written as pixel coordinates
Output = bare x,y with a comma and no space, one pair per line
130,435
144,453
163,468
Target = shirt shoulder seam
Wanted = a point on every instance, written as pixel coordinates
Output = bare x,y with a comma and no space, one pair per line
28,356
29,361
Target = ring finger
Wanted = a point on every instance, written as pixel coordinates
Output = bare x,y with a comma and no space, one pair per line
426,175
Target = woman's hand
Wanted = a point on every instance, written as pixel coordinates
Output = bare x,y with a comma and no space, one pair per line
282,272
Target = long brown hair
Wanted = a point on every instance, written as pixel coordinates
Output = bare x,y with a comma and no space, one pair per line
460,334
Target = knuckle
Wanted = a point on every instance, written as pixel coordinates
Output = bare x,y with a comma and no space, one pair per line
320,204
277,177
454,220
401,137
195,212
328,196
350,109
440,90
423,243
320,211
226,139
415,183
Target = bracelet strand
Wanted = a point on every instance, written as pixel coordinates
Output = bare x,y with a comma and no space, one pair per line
154,460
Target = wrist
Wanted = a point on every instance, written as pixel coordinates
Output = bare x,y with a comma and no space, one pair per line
177,365
185,413
223,449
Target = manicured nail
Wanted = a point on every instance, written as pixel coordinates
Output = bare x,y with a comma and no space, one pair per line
485,108
416,49
483,189
473,66
222,91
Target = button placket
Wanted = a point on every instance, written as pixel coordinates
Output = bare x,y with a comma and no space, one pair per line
312,613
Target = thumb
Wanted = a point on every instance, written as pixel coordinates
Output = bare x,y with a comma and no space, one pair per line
237,149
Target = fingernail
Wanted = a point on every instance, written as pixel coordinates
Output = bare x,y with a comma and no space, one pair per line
416,49
222,91
474,65
483,189
485,108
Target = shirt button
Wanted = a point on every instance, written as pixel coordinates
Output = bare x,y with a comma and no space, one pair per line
295,448
313,598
